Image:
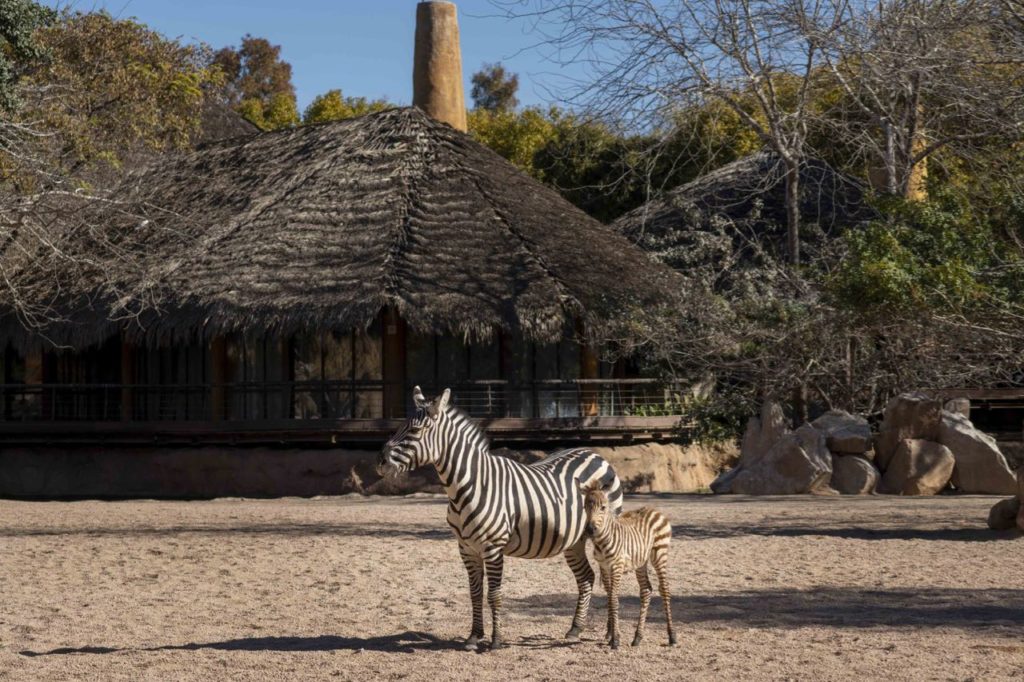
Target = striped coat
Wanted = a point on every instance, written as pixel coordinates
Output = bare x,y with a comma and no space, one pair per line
629,542
498,507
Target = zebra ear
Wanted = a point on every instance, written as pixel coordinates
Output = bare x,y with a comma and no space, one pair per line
418,399
442,402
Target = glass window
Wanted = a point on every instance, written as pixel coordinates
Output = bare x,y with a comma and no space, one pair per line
369,375
307,368
339,364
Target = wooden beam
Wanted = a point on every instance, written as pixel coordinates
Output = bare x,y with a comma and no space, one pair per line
218,377
589,369
128,378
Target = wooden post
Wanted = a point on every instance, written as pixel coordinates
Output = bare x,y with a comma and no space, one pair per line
218,377
34,376
437,64
393,358
287,375
589,369
127,380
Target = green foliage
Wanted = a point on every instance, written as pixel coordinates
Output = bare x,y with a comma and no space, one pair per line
718,418
936,254
515,135
124,88
606,173
714,418
280,112
332,106
258,83
494,89
19,19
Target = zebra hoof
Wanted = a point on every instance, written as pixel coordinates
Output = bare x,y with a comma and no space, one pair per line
672,640
574,634
497,644
614,643
472,643
637,640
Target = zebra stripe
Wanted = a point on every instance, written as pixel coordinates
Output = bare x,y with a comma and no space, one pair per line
498,507
629,543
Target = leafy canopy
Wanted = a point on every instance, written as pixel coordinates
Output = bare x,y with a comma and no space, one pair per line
333,106
494,88
19,19
258,83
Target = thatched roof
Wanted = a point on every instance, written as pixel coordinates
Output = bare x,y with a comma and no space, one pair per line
323,226
219,122
743,203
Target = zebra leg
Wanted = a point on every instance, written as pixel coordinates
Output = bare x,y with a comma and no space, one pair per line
576,556
495,562
660,561
607,585
475,569
613,604
645,601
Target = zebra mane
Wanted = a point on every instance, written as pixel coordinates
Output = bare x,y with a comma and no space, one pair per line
471,425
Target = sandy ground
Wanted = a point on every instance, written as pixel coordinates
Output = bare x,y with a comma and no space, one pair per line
366,588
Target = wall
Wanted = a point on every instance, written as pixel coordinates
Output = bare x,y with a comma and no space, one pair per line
48,472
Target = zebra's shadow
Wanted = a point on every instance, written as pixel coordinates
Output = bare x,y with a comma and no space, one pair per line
404,642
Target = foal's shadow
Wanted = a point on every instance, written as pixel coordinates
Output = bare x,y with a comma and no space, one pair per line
405,642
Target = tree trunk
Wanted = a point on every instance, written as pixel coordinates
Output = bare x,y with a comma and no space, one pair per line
793,212
800,405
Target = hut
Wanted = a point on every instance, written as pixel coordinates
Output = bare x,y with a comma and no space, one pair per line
298,283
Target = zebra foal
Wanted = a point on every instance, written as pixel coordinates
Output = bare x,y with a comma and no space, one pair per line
498,507
629,543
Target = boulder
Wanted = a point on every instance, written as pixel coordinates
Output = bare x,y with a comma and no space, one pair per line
918,467
980,466
1020,498
958,406
799,462
853,475
763,432
912,416
1013,451
844,432
1004,513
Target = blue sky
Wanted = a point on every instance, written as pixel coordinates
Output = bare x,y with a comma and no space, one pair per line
363,47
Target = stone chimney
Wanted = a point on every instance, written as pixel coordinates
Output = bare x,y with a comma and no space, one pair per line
437,64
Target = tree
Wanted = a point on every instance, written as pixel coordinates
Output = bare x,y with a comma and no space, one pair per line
494,89
333,106
94,95
258,83
112,88
760,58
19,19
922,78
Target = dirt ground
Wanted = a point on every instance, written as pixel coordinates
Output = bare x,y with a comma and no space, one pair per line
800,588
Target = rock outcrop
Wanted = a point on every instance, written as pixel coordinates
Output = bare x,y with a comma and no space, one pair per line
961,406
1004,513
920,449
912,416
980,466
918,467
844,432
797,462
853,475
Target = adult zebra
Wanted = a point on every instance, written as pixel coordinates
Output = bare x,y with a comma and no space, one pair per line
499,507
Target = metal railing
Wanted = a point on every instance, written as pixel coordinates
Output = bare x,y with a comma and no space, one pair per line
255,401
